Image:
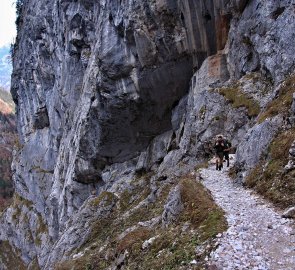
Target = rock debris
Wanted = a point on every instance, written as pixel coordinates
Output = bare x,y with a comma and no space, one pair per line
258,238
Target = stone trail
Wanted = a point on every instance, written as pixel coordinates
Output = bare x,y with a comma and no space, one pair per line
258,238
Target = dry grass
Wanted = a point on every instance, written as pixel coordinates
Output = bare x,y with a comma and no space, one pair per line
200,208
173,248
17,203
9,257
269,178
42,229
18,145
138,191
105,198
4,203
133,240
232,173
202,165
238,99
282,103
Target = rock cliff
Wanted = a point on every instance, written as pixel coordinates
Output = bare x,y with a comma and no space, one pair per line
120,96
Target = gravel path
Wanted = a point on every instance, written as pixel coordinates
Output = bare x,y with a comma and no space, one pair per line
257,237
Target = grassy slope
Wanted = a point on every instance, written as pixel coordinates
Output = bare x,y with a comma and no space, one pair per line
173,248
269,177
238,99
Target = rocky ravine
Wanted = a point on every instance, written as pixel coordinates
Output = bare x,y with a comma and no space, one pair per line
120,96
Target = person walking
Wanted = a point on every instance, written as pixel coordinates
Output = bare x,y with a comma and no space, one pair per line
227,145
219,147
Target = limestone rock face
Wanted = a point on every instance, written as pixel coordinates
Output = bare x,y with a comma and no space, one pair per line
260,40
255,143
95,208
94,83
111,91
173,207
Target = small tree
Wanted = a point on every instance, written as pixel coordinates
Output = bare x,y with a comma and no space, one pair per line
19,8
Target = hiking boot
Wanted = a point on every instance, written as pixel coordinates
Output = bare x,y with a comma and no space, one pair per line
220,166
216,167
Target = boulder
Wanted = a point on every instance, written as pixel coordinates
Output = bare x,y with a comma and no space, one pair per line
289,213
173,207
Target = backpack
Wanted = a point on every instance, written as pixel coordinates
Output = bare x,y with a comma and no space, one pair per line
227,144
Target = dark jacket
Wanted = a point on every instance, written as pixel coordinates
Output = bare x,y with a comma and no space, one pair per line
219,147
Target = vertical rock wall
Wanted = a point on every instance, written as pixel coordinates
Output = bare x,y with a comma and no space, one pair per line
94,83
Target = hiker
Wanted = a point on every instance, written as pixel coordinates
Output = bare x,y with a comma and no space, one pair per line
227,145
219,147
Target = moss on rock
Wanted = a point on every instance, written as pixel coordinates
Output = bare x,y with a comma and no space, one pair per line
133,241
105,198
282,103
10,257
239,99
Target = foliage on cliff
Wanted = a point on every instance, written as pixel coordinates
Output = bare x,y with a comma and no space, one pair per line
7,140
270,178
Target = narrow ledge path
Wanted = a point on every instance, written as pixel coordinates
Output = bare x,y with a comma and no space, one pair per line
258,238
